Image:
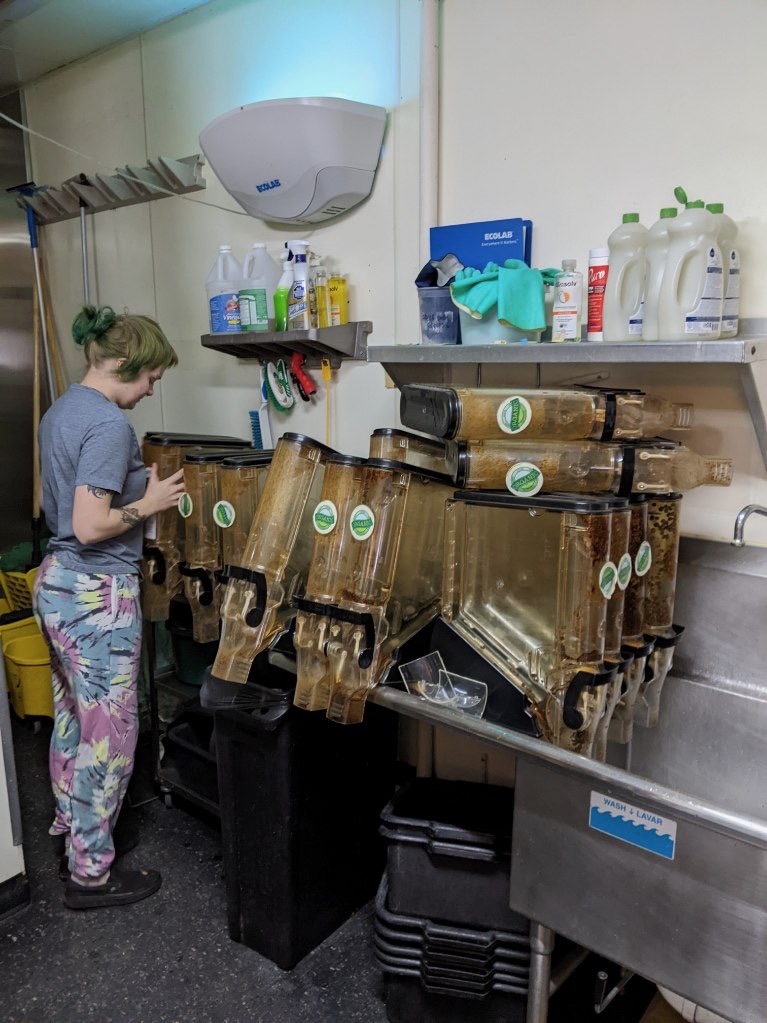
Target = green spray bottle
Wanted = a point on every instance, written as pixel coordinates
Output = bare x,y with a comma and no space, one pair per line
282,294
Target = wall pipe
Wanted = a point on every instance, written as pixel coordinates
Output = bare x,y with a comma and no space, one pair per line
429,125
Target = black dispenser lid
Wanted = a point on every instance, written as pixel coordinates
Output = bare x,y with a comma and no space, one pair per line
583,504
414,470
430,442
199,456
261,457
432,410
194,440
301,438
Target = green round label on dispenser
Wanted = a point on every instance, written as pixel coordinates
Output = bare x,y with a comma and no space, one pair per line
524,479
643,560
223,514
325,517
608,579
185,505
362,522
514,414
624,571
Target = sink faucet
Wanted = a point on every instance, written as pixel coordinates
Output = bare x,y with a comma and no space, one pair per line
740,522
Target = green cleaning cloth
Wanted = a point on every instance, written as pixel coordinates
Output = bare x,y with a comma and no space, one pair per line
475,292
520,295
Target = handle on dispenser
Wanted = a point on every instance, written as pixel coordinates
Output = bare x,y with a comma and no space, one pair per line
206,597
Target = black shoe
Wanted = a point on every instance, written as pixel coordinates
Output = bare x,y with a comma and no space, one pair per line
123,888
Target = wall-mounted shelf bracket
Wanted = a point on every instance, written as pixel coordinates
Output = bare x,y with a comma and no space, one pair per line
126,187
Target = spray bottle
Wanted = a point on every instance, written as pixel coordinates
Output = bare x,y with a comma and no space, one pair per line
299,313
282,294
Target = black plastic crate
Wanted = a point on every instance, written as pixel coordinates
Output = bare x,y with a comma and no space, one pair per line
188,764
300,798
449,853
408,1001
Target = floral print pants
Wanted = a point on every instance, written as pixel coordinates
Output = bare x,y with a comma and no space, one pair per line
92,624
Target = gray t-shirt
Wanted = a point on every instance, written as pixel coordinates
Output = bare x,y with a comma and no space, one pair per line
85,440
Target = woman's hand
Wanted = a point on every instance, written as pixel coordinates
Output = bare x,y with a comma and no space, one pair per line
162,494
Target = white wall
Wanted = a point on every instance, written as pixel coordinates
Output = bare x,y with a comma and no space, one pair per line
569,118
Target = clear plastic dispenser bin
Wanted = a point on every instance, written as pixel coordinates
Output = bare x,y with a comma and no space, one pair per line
620,566
242,479
636,646
201,567
490,413
394,585
524,585
164,537
663,517
401,446
583,467
257,605
318,622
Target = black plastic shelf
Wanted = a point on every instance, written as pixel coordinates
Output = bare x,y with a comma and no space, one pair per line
347,341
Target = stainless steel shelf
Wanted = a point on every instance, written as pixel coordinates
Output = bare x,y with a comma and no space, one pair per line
750,346
348,341
435,363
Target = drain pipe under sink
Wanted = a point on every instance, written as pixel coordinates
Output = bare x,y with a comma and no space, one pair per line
689,1010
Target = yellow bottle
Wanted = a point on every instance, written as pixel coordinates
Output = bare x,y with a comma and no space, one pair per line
322,296
339,311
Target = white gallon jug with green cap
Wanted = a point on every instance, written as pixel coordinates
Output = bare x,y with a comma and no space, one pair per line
656,251
690,298
728,233
624,291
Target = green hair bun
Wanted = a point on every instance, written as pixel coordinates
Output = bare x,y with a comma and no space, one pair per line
91,323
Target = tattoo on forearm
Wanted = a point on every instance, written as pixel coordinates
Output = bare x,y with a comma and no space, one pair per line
97,491
130,516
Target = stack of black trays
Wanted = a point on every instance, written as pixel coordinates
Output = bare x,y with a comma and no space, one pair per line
451,949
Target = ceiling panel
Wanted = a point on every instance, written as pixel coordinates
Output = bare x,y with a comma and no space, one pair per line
37,36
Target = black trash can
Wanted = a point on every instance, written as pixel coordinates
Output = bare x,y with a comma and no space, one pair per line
300,798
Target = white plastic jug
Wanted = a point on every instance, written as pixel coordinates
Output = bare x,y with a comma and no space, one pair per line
222,288
727,236
624,291
260,276
690,298
656,252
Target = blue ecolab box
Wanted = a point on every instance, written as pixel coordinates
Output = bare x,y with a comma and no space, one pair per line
478,244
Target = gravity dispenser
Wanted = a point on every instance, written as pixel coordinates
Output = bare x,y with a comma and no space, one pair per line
401,446
331,572
242,479
391,582
201,511
164,538
664,528
636,646
489,413
526,585
257,605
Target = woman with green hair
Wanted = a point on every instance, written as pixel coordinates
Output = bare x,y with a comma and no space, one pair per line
96,497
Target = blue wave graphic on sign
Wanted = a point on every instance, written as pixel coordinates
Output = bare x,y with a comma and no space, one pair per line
633,833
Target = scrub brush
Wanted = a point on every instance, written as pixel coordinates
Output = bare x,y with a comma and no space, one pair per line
259,420
278,386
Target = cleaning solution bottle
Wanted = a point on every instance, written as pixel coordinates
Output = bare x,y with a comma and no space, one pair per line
624,294
690,300
299,314
260,277
568,304
598,273
656,252
322,295
339,304
222,287
728,233
282,293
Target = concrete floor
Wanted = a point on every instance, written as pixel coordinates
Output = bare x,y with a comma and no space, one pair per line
169,958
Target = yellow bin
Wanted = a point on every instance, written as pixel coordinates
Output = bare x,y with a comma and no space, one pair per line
28,666
17,588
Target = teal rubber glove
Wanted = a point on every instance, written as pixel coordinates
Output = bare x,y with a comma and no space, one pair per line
520,295
474,292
